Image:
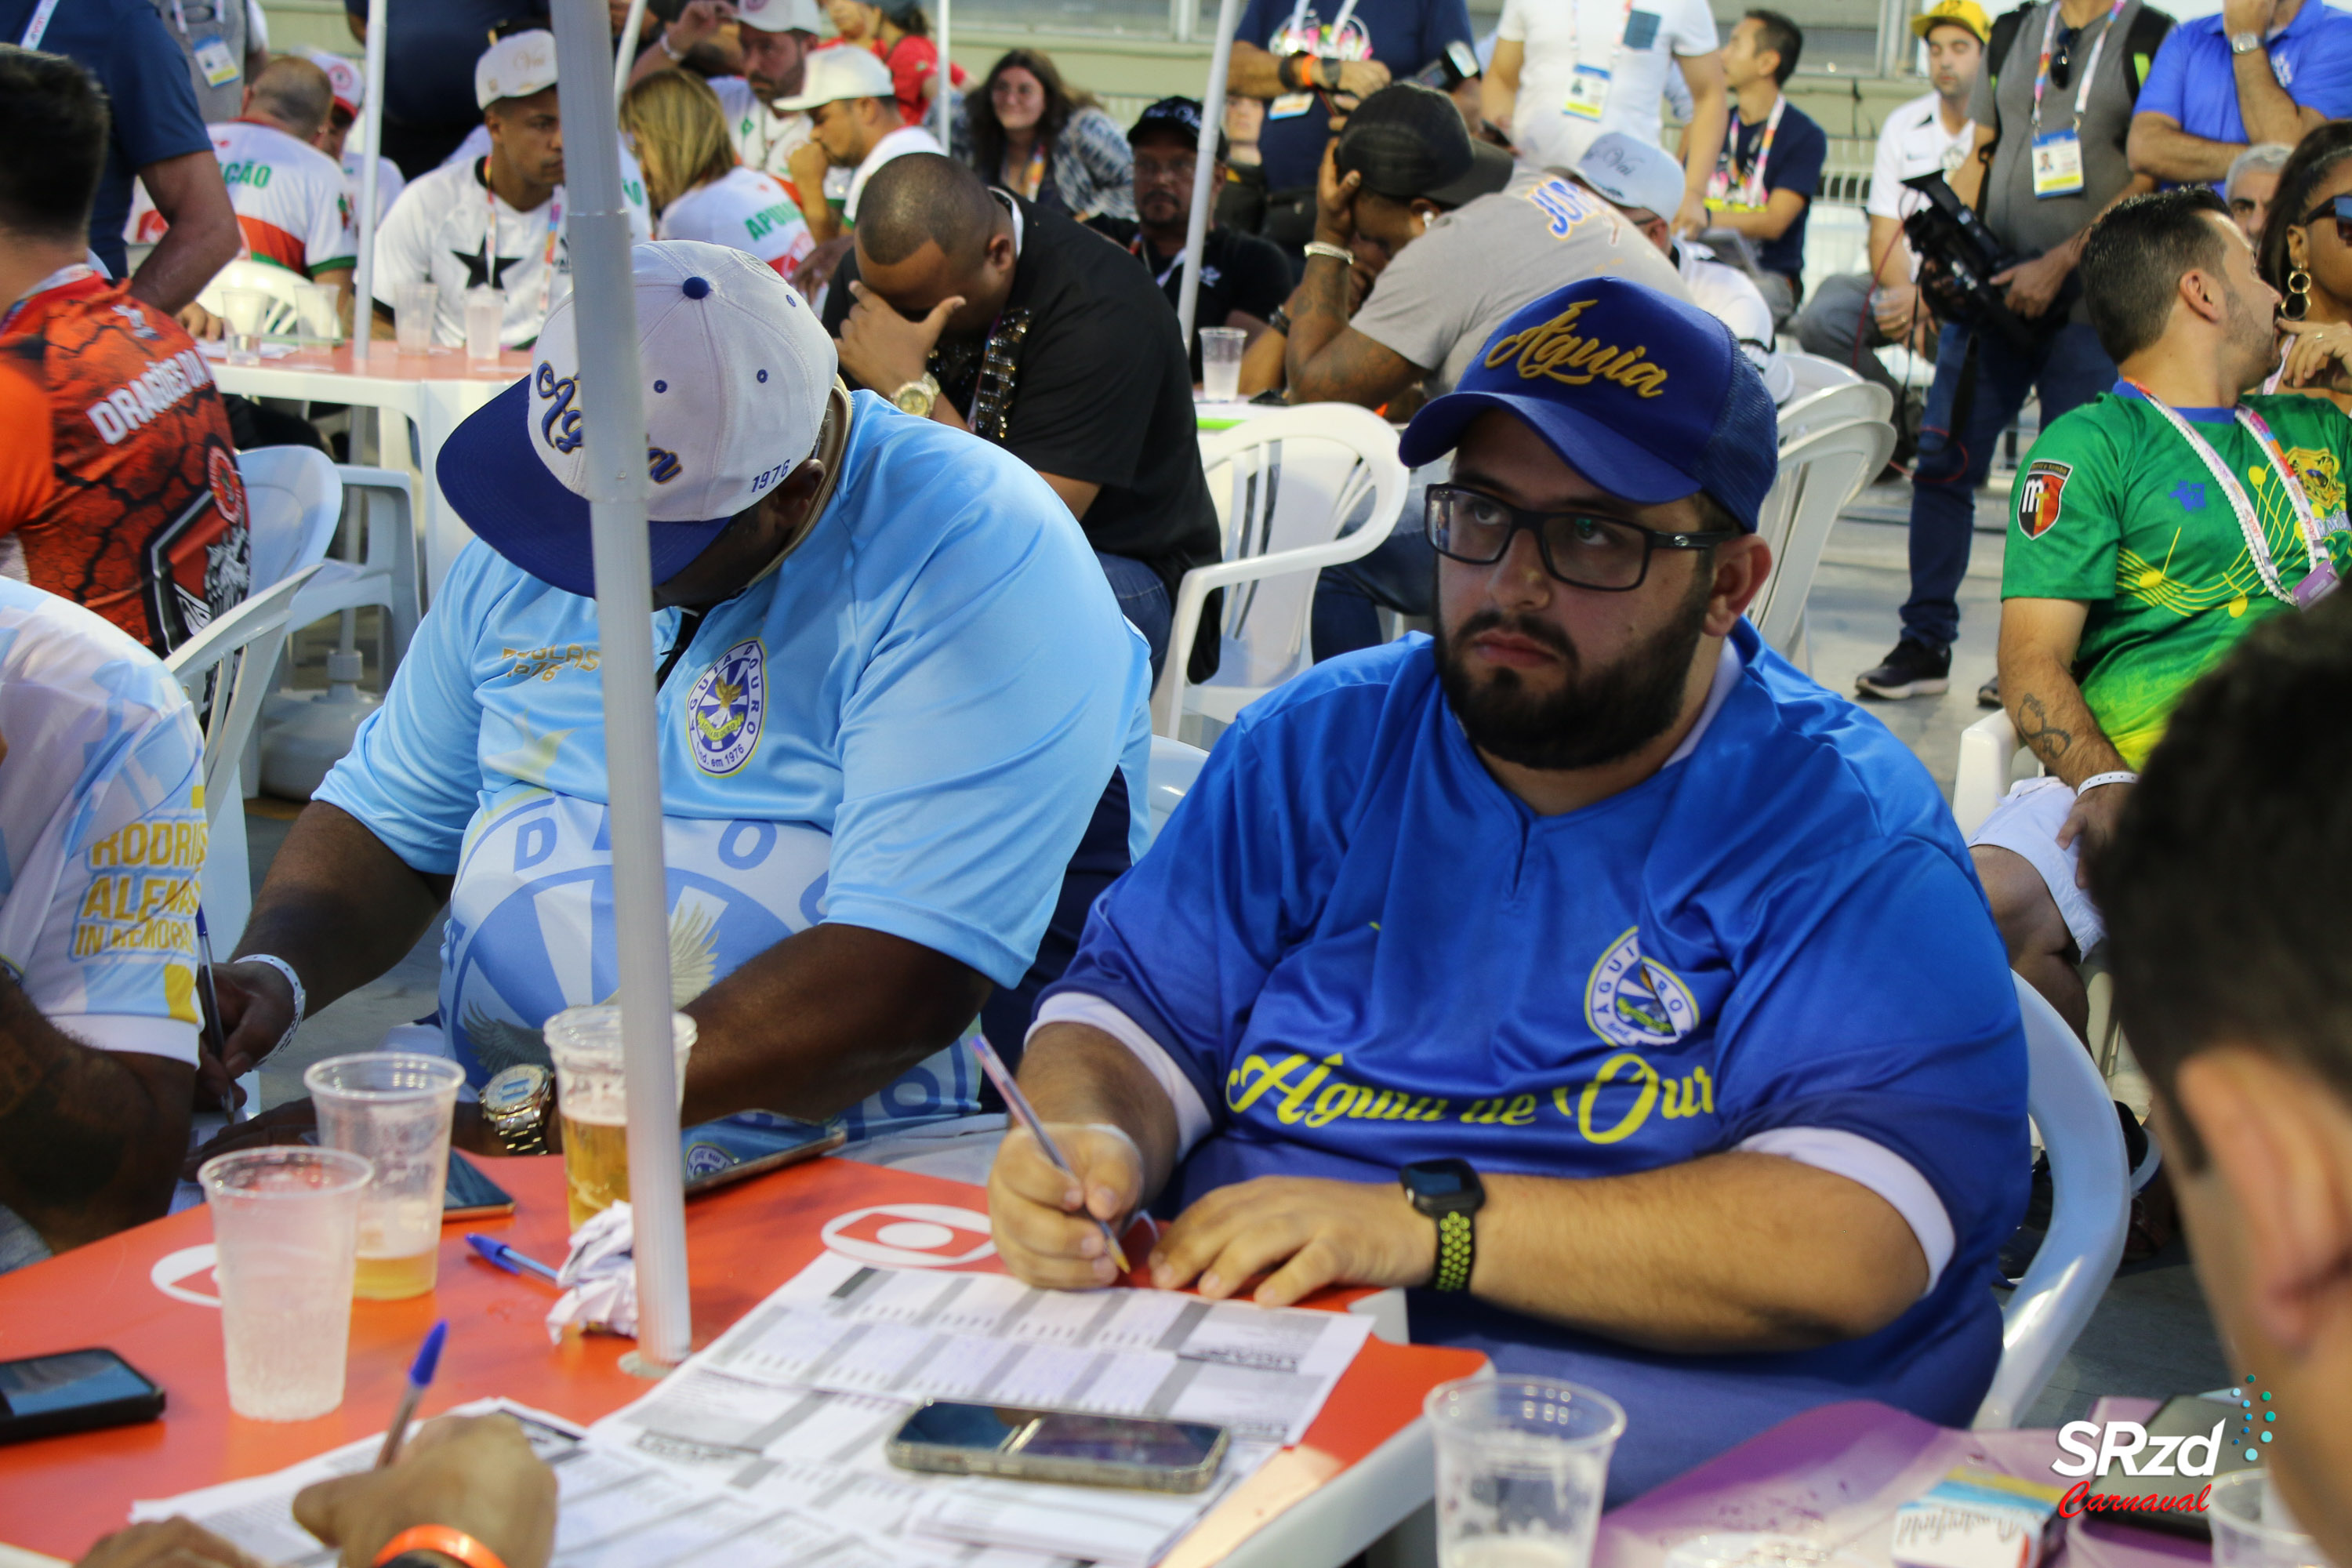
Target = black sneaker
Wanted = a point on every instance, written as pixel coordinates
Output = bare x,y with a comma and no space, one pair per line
1913,669
1988,694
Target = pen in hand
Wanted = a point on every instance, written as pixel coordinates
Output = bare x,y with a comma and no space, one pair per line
994,1065
212,996
420,1378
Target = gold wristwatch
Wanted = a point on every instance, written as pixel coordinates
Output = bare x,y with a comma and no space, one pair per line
917,396
516,1102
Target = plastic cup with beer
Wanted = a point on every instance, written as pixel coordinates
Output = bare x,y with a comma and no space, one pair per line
392,1109
285,1221
412,312
590,1098
2251,1527
1220,363
1522,1467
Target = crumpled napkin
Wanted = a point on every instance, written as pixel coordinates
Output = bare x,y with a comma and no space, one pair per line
599,1280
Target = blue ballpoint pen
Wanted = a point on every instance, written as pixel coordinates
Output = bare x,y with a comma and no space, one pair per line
220,1036
420,1378
495,1251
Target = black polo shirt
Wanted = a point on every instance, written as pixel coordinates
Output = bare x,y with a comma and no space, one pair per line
1239,272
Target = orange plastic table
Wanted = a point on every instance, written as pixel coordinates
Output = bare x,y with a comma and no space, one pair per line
1364,1464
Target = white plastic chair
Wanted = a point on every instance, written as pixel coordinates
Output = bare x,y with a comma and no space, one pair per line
385,575
2090,1210
293,501
246,273
1819,476
1174,766
1814,372
1291,480
1841,404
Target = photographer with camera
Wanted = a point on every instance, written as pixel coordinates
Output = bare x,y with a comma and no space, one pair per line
2052,109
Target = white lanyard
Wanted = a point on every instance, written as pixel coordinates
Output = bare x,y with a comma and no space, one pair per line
1751,183
38,25
1347,13
2089,67
2258,545
1136,248
547,260
1576,34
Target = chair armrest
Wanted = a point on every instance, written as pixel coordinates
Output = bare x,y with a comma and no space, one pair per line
1986,748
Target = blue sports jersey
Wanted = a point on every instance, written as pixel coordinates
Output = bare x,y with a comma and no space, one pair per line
907,726
1361,951
2193,80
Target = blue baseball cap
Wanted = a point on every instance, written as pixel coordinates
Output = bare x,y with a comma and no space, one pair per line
1647,396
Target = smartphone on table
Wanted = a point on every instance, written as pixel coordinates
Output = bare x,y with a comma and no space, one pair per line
1063,1445
73,1391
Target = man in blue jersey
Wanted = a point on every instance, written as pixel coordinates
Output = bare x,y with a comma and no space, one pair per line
1588,968
901,726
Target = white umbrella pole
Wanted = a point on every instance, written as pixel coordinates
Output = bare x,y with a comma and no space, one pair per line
947,82
371,128
624,54
1204,167
612,409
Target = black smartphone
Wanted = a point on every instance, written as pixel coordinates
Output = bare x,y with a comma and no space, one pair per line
963,1439
73,1391
2205,1426
469,1195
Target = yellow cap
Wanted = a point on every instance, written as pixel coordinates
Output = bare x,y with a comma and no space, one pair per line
1960,13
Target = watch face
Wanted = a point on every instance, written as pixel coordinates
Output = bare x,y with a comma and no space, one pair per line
1437,1181
1443,1184
513,1089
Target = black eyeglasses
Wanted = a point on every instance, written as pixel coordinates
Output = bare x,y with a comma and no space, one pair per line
2338,207
1583,552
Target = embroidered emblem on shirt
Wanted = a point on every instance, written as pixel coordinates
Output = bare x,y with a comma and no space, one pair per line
2038,496
1636,1001
724,711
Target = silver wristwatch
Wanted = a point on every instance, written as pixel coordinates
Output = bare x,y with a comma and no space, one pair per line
2245,43
516,1102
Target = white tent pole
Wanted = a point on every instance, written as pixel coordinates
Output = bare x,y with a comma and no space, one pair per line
624,54
371,128
613,407
1204,167
947,82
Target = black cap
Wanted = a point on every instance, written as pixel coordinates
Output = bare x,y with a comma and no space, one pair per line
1408,141
1180,116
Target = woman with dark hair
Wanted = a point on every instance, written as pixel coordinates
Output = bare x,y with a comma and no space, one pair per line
900,32
2306,255
1027,132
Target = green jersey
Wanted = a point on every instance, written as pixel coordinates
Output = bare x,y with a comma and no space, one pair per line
2115,509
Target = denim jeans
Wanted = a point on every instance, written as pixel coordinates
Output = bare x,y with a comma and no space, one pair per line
1143,600
1400,575
1974,398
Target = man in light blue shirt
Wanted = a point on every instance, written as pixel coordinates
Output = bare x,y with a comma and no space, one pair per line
901,725
2263,71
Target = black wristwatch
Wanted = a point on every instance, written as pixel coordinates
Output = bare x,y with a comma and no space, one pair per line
1279,321
1449,1192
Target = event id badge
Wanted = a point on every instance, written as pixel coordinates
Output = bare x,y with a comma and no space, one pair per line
1289,105
1588,92
2327,573
2057,165
214,59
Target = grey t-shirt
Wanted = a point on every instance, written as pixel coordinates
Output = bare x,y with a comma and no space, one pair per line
2016,217
1442,296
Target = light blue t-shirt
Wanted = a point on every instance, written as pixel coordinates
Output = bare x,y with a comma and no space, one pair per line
907,726
2193,82
1361,951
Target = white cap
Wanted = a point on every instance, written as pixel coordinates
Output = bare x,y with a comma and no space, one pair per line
342,75
1632,173
845,71
515,67
781,16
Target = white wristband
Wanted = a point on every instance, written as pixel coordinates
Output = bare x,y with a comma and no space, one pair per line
302,998
2096,780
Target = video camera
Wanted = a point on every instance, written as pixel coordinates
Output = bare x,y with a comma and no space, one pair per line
1958,258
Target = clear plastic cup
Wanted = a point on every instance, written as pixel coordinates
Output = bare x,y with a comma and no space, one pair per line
318,310
1220,363
246,309
2251,1527
592,1100
486,315
392,1109
285,1221
412,314
1522,1467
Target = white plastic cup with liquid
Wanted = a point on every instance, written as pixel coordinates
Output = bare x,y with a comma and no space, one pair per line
318,310
1522,1468
591,1100
2251,1527
1220,363
392,1109
285,1227
413,316
246,309
486,316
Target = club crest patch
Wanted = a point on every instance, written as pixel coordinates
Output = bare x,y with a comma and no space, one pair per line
726,708
2037,495
1634,1001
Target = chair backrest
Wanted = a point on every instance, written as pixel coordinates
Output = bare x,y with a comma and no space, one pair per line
1819,475
1174,766
246,273
1293,477
1988,754
2090,1209
240,650
1838,404
1814,372
293,501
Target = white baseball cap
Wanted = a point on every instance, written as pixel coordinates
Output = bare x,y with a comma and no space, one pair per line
515,67
781,16
736,371
845,71
342,75
1633,174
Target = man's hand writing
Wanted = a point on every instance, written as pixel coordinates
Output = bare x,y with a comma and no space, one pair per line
881,348
256,1009
1302,1232
476,1475
1038,1214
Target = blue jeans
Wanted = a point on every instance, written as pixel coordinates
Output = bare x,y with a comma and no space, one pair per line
1143,600
1973,399
1400,576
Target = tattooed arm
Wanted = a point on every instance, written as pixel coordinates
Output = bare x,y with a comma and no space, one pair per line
2038,642
1326,360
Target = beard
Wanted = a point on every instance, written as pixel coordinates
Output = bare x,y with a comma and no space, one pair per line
1598,716
2255,335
